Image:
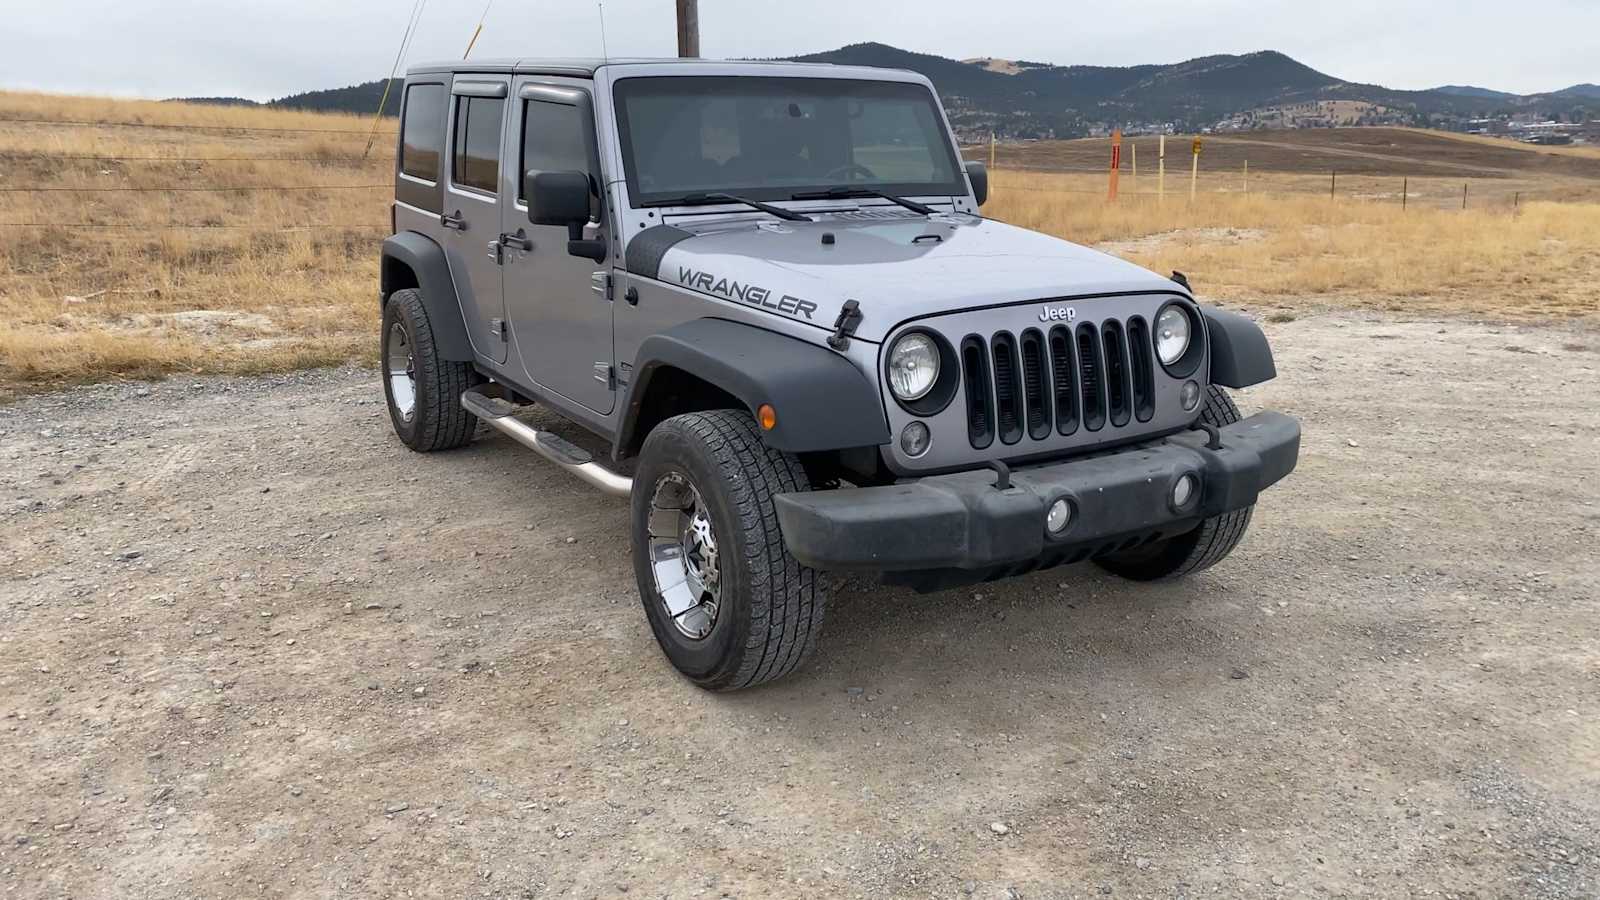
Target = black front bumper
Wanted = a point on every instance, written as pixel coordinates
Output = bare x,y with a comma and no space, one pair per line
963,522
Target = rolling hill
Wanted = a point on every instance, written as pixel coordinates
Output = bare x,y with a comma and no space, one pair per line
1023,99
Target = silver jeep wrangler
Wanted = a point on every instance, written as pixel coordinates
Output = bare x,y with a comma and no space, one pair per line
768,288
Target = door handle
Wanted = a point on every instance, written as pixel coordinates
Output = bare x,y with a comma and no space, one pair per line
453,221
518,241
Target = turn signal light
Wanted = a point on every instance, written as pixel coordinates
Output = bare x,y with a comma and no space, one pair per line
767,416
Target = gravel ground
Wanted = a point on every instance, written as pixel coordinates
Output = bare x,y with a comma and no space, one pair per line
251,646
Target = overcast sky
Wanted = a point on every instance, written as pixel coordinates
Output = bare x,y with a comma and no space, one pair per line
268,48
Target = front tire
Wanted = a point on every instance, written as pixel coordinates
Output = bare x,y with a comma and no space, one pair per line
422,390
1195,551
727,603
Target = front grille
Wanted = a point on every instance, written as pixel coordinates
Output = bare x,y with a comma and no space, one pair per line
1092,376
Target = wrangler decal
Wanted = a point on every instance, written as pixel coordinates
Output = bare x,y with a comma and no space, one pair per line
745,293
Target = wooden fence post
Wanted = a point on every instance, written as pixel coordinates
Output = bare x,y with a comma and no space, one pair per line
1247,176
1194,171
1405,191
1333,184
1463,195
1161,169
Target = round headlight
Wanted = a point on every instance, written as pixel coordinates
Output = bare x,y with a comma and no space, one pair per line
913,366
1172,334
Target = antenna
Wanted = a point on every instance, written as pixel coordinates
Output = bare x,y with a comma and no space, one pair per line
600,5
478,30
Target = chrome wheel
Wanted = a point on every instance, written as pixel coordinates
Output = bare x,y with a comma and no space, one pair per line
683,556
401,369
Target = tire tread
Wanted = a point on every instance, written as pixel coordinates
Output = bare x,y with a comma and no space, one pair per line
440,421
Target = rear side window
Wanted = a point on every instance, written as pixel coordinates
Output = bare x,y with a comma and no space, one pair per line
477,142
553,140
422,134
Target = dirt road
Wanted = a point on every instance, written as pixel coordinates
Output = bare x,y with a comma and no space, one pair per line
250,646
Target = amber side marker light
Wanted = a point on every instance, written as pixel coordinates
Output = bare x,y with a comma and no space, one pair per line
767,416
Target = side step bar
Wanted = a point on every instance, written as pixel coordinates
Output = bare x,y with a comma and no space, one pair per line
579,462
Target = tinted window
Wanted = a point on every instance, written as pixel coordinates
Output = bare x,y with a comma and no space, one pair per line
477,142
553,140
423,132
771,138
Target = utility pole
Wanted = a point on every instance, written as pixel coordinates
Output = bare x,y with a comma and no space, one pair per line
689,28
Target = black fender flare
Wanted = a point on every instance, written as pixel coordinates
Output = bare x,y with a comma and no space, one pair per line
431,273
822,401
1240,354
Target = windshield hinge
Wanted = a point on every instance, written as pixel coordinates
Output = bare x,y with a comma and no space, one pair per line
845,325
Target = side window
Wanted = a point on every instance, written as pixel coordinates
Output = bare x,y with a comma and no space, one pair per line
476,160
553,140
422,134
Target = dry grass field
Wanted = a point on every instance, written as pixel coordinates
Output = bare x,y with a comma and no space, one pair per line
140,238
100,278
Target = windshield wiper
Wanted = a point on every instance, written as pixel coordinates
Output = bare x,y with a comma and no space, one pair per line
703,199
844,193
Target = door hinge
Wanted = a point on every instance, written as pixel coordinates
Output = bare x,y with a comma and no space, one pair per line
497,327
600,283
606,375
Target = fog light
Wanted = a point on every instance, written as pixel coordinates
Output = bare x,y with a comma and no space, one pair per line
1190,395
1058,517
914,439
1183,491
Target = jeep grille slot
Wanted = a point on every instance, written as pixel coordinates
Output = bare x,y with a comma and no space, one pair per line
1061,371
1038,409
980,403
1090,378
1140,359
1030,386
1118,387
1007,389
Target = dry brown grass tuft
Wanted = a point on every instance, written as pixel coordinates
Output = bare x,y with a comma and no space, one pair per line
285,280
274,280
1537,261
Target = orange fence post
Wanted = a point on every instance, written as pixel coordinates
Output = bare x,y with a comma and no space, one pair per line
1116,164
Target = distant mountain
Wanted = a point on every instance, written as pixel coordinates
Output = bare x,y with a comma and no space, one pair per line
1467,90
1026,99
1036,100
1578,92
221,101
359,98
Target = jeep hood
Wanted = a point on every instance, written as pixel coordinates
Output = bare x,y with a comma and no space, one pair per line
897,265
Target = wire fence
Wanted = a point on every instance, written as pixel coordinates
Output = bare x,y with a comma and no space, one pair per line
187,126
1179,187
183,226
196,188
76,157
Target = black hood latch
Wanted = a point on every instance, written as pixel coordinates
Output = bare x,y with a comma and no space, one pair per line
845,325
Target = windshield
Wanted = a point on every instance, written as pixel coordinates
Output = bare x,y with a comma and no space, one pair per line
771,138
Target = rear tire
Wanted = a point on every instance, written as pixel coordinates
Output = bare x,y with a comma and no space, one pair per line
1208,544
422,390
710,475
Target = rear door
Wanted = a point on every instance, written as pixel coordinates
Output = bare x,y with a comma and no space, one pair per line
472,207
559,310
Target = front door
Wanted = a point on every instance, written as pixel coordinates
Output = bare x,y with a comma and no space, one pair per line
472,215
560,321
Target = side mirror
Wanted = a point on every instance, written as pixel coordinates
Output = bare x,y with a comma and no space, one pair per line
978,174
562,199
